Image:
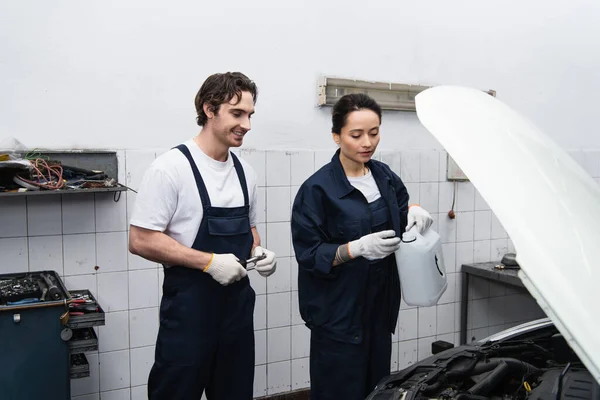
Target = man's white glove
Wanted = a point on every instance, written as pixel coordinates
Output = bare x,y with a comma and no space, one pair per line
375,246
419,217
267,265
225,269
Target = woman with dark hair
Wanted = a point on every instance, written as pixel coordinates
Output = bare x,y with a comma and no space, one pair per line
347,220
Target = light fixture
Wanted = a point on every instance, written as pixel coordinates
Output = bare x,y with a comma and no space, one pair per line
390,96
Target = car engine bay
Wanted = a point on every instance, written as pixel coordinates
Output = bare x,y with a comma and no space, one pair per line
538,365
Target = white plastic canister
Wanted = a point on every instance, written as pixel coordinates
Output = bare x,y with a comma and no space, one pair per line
421,268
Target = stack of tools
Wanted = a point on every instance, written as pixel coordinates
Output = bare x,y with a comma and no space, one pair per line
82,304
28,289
35,171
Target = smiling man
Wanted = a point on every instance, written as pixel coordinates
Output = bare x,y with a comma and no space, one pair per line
195,213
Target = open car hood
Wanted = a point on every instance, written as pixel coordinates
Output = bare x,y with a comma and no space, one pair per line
546,202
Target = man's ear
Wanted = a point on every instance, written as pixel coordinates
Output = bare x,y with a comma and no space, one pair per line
208,110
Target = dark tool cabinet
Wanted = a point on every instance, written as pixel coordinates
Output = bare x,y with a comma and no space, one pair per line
41,345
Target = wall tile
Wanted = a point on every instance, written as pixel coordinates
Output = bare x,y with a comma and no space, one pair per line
302,166
114,335
424,347
446,196
447,228
113,294
142,360
498,231
279,376
261,205
280,280
278,168
258,160
136,164
46,253
394,358
407,353
410,166
429,166
427,321
499,248
393,160
111,216
81,282
464,254
449,252
279,344
465,197
296,317
260,340
443,166
13,215
429,196
300,341
121,394
408,324
15,255
260,312
279,309
278,204
143,326
114,370
445,318
480,203
450,293
483,225
413,189
111,251
44,215
465,223
260,381
79,254
142,288
301,373
481,250
279,238
139,393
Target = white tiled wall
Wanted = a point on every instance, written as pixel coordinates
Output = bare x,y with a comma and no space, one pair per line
74,234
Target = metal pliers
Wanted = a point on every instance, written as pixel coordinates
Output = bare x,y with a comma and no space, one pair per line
253,261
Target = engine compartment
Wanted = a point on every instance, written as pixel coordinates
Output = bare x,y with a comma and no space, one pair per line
538,365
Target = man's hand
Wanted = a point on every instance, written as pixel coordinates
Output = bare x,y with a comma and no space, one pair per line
267,265
225,269
375,246
419,217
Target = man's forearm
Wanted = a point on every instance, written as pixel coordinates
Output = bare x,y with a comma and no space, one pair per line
158,247
256,238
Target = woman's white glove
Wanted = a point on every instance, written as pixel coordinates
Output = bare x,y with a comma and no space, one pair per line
225,269
419,217
375,246
267,265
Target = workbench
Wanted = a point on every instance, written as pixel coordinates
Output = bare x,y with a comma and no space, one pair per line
487,271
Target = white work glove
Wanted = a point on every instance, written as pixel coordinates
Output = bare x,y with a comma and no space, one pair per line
375,246
225,269
267,265
419,217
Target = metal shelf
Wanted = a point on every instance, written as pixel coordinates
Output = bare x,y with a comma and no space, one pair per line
119,188
92,159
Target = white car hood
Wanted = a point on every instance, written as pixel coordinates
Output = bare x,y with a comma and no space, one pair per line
546,202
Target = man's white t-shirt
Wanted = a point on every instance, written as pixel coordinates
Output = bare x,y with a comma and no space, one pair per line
168,200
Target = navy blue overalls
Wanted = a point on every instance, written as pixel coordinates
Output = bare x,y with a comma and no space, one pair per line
364,364
206,335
